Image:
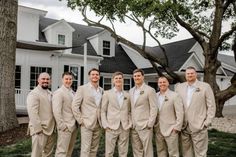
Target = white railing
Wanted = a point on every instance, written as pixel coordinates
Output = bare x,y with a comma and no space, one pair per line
20,100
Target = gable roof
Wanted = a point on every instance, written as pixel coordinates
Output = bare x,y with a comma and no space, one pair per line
121,61
58,22
177,53
79,36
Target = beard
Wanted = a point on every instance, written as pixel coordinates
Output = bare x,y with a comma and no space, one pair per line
45,87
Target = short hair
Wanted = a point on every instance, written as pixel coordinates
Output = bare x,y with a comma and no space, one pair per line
117,73
138,70
162,77
191,67
67,73
93,69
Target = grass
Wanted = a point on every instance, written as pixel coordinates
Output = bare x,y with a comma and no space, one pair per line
220,145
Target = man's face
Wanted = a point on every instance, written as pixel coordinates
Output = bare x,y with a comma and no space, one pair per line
163,84
138,78
118,81
44,80
67,81
94,76
190,75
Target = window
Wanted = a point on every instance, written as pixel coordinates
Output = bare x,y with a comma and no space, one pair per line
17,76
106,48
75,72
61,39
127,83
107,83
34,72
153,85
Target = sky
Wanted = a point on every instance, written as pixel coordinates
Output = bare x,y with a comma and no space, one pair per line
58,10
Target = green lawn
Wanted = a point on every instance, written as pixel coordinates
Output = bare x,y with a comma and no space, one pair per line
220,145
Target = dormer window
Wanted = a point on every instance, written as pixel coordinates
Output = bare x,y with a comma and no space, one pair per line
61,39
106,48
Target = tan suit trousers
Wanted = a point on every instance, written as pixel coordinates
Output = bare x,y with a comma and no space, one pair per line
167,146
42,145
90,141
194,144
141,141
65,143
123,142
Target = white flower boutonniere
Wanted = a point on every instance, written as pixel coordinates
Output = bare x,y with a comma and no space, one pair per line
141,92
166,99
197,89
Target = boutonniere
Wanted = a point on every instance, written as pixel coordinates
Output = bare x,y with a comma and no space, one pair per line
125,98
166,99
141,92
197,89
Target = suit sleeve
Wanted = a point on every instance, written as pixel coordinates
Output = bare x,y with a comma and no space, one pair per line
76,105
153,107
33,105
179,110
211,106
105,102
57,104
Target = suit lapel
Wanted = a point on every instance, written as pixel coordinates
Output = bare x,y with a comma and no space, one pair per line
131,93
142,89
194,93
185,90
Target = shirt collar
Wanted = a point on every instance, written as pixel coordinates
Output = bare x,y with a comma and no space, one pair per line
193,85
140,88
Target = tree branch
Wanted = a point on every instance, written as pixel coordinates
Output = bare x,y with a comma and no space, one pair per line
192,31
226,35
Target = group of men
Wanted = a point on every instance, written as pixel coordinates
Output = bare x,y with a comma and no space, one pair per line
139,113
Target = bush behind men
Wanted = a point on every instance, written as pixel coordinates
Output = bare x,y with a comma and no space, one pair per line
144,112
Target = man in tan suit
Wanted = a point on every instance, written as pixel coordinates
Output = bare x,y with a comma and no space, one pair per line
86,109
66,123
116,117
171,114
143,113
41,120
199,106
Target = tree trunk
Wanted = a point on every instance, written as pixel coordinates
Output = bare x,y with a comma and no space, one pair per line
8,30
210,69
219,107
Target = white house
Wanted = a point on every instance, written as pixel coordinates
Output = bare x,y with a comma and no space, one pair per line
56,46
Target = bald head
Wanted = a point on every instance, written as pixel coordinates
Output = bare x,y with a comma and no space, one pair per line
44,80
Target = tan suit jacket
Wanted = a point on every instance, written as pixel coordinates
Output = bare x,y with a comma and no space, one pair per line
202,107
39,109
62,101
112,114
171,113
84,108
144,110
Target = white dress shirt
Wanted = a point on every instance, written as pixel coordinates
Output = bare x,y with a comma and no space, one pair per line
119,96
161,99
137,92
190,90
97,93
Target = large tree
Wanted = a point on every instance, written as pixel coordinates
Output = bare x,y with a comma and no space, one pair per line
203,19
8,29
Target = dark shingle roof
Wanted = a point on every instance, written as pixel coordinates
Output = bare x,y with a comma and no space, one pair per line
121,62
79,36
177,52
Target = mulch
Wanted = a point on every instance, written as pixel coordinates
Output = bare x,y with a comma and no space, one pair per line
14,135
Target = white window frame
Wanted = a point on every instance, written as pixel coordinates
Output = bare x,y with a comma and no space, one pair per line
106,47
61,39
